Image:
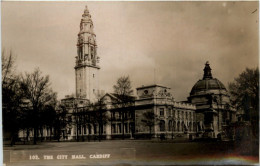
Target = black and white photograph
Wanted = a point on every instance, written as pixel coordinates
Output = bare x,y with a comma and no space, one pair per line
130,83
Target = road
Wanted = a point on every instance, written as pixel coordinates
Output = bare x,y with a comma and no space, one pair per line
129,152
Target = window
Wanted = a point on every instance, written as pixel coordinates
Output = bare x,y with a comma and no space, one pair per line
69,131
129,115
120,115
85,130
119,127
89,129
92,52
104,129
190,126
174,126
182,126
93,75
79,129
113,115
162,125
170,125
95,129
126,128
113,128
161,112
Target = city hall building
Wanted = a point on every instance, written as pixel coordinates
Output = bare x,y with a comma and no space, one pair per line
152,113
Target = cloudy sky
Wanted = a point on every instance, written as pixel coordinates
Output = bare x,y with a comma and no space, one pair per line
166,43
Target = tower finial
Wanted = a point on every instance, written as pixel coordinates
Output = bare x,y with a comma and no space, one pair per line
86,10
207,71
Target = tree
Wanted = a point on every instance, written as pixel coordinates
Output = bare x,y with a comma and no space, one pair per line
11,97
61,121
245,96
48,119
100,116
8,67
123,91
26,116
148,120
36,88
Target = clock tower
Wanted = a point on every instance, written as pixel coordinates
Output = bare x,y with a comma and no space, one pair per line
87,68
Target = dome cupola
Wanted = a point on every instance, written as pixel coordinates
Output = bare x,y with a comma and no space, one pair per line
207,84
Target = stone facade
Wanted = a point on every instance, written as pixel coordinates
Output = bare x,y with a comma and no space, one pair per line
212,105
87,69
121,117
170,117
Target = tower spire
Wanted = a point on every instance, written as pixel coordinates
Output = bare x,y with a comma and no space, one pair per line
207,71
87,60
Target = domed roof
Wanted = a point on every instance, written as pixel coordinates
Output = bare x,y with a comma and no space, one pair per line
207,83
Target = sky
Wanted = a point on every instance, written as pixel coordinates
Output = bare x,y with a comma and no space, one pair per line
166,43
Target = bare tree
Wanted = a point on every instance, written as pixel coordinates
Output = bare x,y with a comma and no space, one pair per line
123,88
80,117
100,116
61,121
11,97
148,120
36,88
123,91
8,67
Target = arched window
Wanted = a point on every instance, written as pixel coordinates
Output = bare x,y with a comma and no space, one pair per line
194,127
95,129
162,125
190,125
113,128
79,129
170,125
84,129
89,129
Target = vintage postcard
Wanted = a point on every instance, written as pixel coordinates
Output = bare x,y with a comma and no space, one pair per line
130,83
